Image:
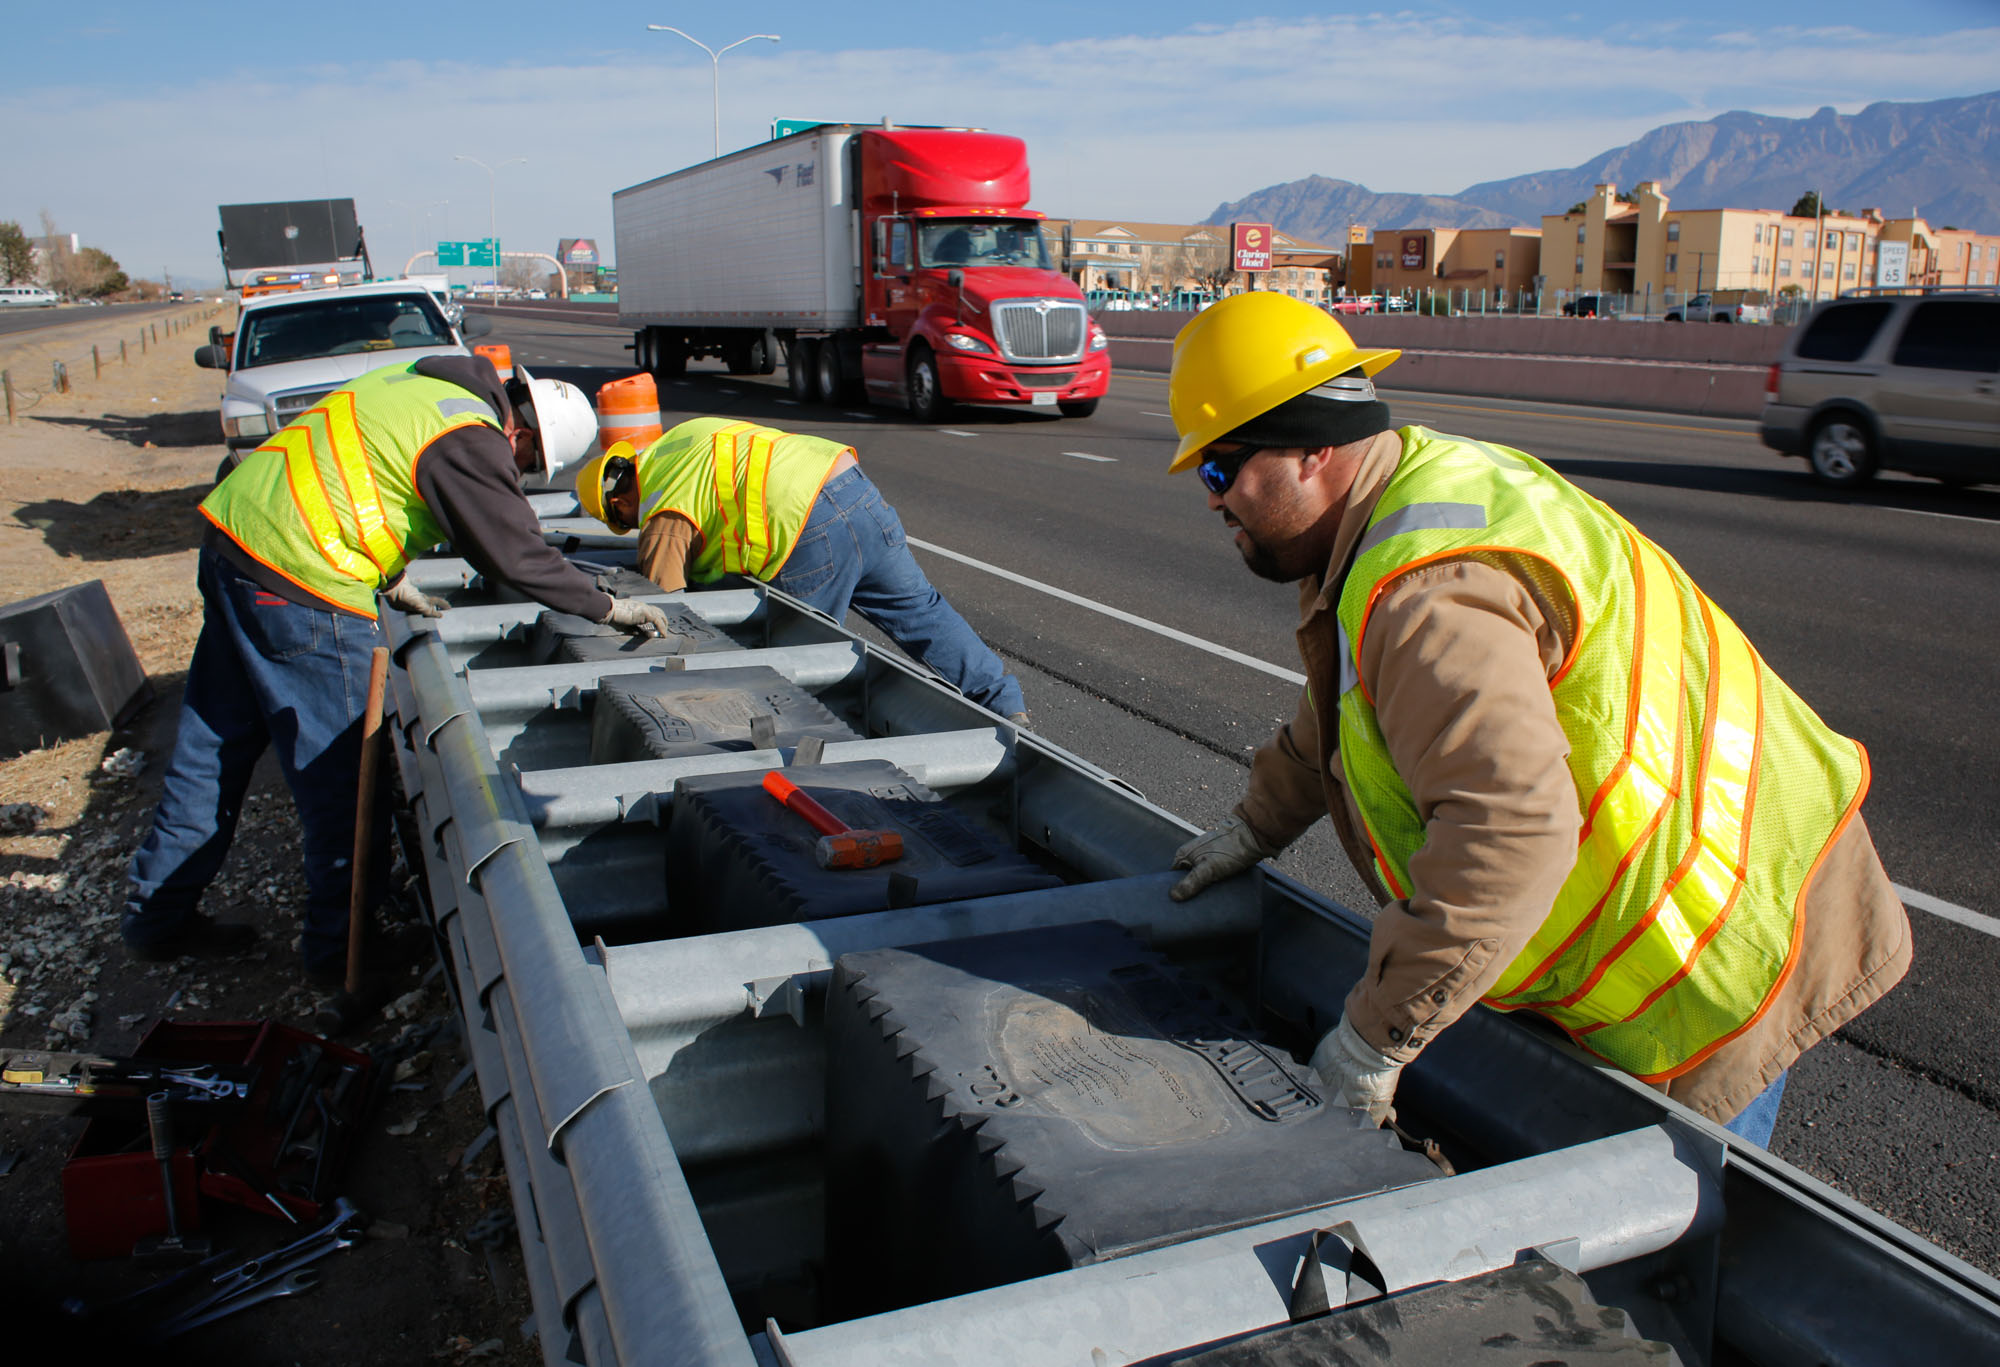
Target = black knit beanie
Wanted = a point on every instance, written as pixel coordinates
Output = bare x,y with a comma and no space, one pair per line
1342,410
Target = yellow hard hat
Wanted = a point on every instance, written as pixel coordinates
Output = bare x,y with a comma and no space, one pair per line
592,493
1244,355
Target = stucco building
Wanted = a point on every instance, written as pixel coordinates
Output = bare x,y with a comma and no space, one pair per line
1165,260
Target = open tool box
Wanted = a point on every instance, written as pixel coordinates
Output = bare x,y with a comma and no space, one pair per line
282,1147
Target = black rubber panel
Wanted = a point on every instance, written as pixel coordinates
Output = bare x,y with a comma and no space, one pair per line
737,858
1533,1314
67,668
1007,1106
564,637
671,715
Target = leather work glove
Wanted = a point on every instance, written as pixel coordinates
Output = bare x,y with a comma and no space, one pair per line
404,595
1222,853
636,615
1356,1072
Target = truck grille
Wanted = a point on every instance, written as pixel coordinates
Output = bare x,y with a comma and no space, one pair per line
1039,329
289,405
1044,379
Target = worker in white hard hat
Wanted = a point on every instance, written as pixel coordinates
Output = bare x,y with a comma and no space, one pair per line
304,538
1576,788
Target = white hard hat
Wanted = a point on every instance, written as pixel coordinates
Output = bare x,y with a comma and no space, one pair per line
565,424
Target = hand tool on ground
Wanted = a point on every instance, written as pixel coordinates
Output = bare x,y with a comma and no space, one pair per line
226,1160
156,1250
91,1084
840,845
342,1230
79,1308
345,1009
292,1283
332,1124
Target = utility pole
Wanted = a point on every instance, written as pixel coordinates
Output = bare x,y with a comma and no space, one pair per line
492,212
715,67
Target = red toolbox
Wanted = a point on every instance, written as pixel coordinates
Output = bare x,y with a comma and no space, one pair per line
287,1143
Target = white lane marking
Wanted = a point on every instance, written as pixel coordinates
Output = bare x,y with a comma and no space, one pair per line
1238,657
1085,455
865,417
1937,906
789,403
1149,413
1925,512
731,392
954,432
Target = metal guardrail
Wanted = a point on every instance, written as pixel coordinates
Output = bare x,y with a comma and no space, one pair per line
578,1050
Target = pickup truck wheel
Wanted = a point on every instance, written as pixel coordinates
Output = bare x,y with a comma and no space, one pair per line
802,368
1841,452
1077,408
927,400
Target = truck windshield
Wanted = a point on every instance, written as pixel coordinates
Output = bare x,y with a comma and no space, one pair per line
981,242
331,326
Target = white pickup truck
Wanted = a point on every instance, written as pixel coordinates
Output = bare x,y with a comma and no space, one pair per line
1730,306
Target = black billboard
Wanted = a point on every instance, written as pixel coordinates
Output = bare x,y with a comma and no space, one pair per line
296,232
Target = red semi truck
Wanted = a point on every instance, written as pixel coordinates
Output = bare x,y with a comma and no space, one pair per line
890,265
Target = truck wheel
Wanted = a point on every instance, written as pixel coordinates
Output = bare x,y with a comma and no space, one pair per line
642,349
927,400
764,353
802,368
740,357
1077,408
832,375
1841,452
670,354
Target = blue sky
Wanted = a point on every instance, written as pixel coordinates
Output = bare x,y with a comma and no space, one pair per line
131,122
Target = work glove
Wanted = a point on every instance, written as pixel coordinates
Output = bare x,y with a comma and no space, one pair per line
1222,853
405,596
1356,1072
636,615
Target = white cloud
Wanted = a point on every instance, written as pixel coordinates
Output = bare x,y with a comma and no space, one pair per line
1159,127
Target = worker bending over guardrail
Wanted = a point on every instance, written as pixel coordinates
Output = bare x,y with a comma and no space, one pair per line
1575,786
714,496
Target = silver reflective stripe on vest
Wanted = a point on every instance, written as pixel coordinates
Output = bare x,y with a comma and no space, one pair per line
1497,456
451,408
1348,675
1422,517
652,506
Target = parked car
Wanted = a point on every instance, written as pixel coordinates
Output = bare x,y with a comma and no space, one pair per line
1891,382
1591,306
26,296
1353,303
290,350
1395,303
538,294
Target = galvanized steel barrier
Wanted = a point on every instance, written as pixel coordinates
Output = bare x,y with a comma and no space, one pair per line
574,1047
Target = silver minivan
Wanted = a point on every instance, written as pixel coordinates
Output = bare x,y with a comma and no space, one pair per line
26,296
1892,382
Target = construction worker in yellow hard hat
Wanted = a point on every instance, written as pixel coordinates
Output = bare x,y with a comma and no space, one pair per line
1573,783
715,496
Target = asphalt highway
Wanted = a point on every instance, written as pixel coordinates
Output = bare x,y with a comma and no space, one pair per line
1879,608
21,320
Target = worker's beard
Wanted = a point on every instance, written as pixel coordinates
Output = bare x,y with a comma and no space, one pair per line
1285,562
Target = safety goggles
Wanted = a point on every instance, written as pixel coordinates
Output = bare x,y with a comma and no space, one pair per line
616,471
1219,471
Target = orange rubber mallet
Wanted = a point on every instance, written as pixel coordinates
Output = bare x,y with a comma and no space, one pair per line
840,846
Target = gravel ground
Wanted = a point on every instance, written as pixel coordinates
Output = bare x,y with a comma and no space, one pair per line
102,483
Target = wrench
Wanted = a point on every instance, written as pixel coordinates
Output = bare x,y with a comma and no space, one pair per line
342,1230
293,1283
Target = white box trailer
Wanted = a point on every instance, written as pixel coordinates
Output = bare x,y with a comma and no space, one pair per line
763,238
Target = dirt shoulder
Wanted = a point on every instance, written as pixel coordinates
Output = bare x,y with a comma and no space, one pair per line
102,483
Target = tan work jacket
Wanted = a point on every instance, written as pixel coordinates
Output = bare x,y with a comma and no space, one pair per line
1458,657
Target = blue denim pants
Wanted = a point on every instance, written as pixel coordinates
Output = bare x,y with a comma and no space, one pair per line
1757,1120
852,553
266,672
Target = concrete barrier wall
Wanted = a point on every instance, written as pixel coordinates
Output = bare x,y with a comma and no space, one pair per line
1711,369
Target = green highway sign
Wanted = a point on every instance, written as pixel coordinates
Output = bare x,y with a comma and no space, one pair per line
784,128
480,253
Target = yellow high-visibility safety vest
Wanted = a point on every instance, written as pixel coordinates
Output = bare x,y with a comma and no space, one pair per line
748,489
1709,791
330,501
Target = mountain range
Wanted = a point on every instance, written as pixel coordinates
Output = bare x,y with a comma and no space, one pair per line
1940,156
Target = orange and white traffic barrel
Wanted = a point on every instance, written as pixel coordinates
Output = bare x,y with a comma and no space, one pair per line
628,410
501,356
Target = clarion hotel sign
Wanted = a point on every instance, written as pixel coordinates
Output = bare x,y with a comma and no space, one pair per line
1250,245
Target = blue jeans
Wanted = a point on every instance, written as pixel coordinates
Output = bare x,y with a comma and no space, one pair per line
851,552
1760,1117
266,672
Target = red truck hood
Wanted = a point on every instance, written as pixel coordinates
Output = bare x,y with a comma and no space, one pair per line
991,284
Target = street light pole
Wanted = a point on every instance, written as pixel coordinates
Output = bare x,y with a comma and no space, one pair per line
492,210
715,67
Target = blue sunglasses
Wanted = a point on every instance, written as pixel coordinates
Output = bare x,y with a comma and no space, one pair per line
1218,472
